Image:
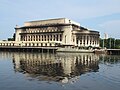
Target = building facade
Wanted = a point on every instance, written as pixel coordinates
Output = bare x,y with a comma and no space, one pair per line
56,32
61,32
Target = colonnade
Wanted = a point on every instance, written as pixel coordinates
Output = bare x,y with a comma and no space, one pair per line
42,37
87,40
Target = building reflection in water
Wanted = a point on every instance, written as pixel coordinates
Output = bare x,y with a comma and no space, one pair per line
109,59
60,67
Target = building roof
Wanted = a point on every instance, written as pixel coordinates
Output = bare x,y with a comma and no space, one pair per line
51,21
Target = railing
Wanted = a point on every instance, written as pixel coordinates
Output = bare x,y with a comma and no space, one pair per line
29,43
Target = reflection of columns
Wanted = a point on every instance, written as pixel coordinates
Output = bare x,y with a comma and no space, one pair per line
67,64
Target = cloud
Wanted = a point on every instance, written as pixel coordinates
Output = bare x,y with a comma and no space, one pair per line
80,9
112,28
17,12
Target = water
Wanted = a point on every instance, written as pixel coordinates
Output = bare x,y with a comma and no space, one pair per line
60,71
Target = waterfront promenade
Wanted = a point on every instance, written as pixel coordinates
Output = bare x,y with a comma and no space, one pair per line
113,51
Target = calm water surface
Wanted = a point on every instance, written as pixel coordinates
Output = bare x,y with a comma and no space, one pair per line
60,71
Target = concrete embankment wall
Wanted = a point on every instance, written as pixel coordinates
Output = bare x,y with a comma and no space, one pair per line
28,49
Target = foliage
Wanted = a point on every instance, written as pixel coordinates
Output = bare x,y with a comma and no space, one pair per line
110,43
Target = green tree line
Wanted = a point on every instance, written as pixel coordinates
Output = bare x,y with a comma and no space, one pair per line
110,43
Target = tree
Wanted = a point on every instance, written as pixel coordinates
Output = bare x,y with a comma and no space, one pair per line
110,43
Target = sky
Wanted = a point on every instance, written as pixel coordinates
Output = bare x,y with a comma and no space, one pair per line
98,15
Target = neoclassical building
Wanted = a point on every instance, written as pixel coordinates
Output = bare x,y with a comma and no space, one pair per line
56,32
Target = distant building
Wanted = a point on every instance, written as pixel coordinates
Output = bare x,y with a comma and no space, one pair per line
105,36
56,32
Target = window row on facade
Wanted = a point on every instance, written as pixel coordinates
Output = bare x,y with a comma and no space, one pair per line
49,29
87,40
42,37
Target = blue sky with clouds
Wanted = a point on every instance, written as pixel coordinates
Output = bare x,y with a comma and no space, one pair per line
100,15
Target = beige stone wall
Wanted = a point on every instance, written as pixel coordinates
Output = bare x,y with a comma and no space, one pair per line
51,21
17,34
67,34
29,43
67,39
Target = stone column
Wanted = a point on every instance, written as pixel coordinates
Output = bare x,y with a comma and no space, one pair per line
27,37
75,40
58,37
88,40
43,37
78,42
82,40
52,37
85,40
40,37
91,40
46,37
35,37
55,37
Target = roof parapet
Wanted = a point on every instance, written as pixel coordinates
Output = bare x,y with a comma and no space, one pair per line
51,21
